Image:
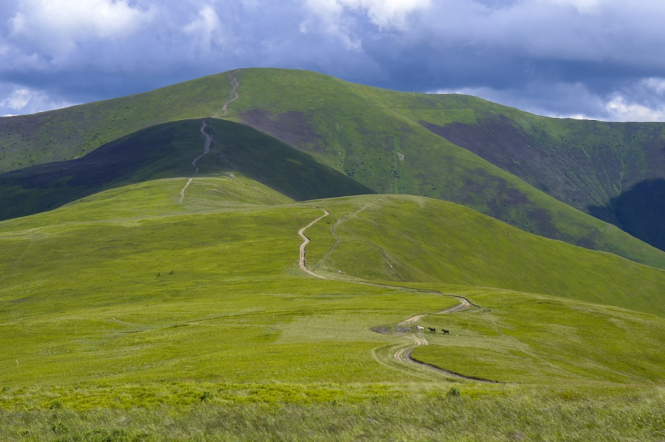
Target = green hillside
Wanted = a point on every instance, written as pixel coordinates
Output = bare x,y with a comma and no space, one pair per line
613,171
158,290
414,239
183,301
170,150
374,136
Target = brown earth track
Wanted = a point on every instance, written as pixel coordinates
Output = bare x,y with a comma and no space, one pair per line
235,84
403,354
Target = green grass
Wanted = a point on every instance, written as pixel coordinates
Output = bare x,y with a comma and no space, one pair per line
373,136
404,238
378,413
211,291
539,339
130,316
91,286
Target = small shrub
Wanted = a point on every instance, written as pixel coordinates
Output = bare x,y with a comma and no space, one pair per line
206,396
59,428
55,405
454,391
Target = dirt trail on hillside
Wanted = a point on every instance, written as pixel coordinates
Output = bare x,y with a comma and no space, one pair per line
182,192
403,354
207,140
333,230
233,94
419,339
301,232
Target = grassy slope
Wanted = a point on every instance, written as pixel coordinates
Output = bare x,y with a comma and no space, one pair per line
72,132
168,150
541,339
238,343
376,137
372,135
405,238
151,290
600,168
236,308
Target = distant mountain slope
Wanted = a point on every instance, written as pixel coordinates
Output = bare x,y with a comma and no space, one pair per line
375,136
166,151
614,171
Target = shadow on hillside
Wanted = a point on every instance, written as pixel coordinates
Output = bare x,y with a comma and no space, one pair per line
640,211
167,151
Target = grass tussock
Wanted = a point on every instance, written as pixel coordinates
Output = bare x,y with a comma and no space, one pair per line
514,415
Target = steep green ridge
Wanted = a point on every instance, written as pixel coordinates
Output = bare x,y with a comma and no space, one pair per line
372,135
169,150
414,239
212,292
613,171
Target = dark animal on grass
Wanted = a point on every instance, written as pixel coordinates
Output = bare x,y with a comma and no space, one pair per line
433,330
445,332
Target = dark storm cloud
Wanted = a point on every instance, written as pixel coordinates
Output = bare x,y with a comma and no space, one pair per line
594,58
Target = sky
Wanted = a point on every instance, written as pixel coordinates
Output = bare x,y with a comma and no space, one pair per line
599,59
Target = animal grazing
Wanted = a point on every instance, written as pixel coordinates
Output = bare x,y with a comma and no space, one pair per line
445,332
420,329
433,330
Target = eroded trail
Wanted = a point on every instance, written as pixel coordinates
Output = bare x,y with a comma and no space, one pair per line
403,354
233,94
207,141
301,232
182,192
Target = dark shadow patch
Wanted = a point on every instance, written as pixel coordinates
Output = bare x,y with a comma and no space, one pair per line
561,168
167,151
290,127
640,211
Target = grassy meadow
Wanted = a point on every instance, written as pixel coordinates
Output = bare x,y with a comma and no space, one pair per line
130,315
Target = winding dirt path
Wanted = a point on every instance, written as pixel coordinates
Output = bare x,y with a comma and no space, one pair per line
233,94
207,140
403,354
301,232
333,230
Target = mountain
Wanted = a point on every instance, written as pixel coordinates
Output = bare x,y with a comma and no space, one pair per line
613,171
384,140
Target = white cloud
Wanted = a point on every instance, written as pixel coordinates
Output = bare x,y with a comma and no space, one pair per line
654,85
24,100
338,17
55,26
620,109
206,29
17,100
387,13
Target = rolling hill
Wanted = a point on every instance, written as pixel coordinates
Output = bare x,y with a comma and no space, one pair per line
180,298
386,141
173,150
151,288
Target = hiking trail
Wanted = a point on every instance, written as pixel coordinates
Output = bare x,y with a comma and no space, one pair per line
403,354
207,140
233,94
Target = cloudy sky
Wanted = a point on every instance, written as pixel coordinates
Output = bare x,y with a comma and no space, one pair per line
602,59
